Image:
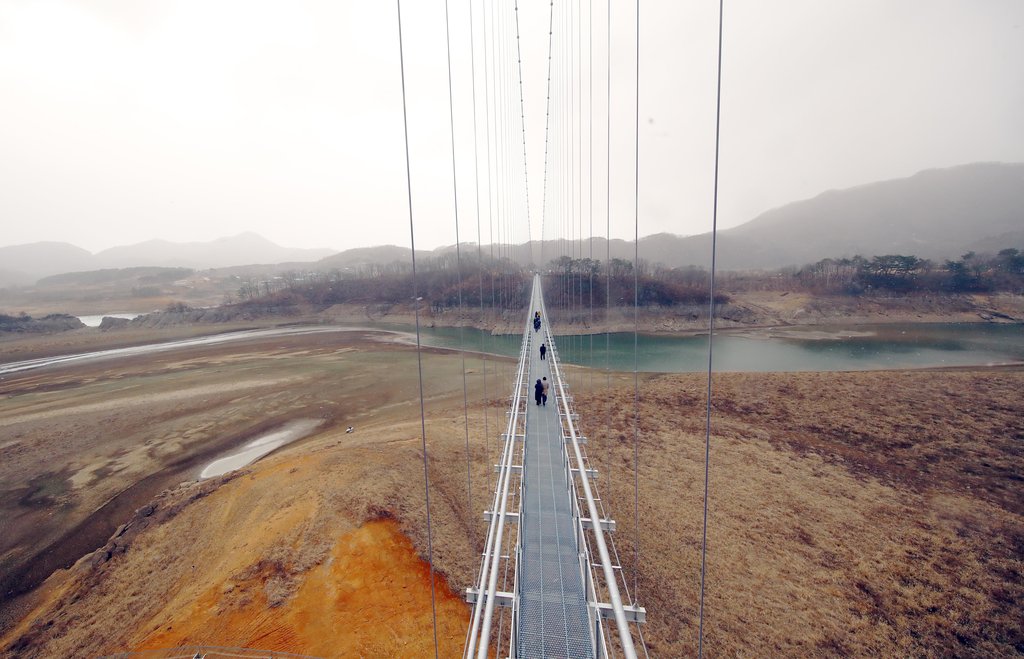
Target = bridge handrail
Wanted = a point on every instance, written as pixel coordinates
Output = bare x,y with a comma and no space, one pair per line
599,643
480,629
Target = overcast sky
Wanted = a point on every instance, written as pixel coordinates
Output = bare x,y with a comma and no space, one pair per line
125,120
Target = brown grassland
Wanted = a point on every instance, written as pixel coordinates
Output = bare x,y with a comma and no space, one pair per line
850,514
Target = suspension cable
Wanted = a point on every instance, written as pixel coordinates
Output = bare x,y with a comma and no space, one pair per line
711,339
608,237
458,265
636,319
590,182
488,75
479,239
419,356
547,131
522,123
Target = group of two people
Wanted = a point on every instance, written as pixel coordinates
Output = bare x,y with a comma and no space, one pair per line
540,391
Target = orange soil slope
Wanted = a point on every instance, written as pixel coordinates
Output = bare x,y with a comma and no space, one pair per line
371,598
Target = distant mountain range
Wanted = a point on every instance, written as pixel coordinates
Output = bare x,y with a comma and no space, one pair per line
937,214
25,264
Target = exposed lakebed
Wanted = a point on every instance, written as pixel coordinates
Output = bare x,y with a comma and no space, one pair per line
261,446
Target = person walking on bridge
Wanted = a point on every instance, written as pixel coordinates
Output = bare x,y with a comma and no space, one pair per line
538,391
544,392
543,350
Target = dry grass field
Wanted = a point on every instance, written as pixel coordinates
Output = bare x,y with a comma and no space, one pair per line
851,514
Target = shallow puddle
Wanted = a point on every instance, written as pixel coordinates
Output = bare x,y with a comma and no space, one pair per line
257,448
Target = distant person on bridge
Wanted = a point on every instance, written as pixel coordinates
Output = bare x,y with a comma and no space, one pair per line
543,350
544,392
538,391
536,324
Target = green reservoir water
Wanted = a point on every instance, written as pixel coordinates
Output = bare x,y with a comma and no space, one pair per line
855,348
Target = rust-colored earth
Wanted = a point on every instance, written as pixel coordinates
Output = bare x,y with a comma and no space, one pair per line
370,598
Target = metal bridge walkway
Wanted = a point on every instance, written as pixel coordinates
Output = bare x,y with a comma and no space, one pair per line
553,613
546,530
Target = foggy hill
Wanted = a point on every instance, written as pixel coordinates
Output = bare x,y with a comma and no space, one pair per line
135,275
24,264
362,256
243,249
937,214
387,254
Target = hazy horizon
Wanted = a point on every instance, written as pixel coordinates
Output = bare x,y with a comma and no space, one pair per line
123,121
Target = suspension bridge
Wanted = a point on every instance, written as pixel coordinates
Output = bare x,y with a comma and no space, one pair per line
548,528
549,534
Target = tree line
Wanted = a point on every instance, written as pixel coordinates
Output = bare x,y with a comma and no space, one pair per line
488,283
588,282
900,273
569,282
440,284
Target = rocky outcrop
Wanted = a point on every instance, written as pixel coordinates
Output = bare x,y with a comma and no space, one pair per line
110,322
222,314
25,324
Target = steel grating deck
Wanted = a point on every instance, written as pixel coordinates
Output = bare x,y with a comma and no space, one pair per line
553,614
